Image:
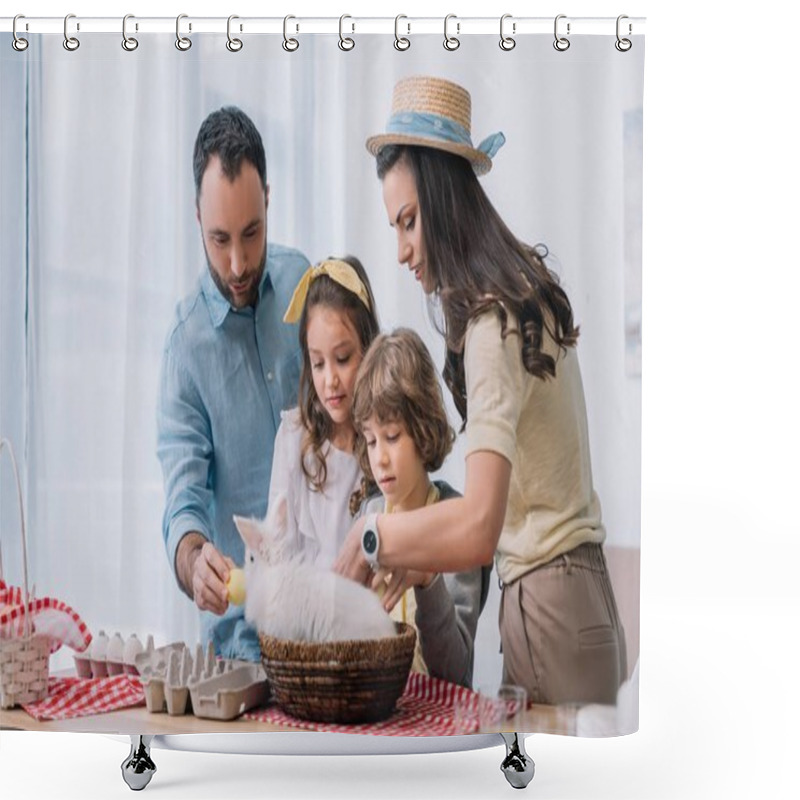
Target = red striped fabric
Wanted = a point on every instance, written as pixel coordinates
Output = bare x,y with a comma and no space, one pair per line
83,697
9,595
426,708
49,616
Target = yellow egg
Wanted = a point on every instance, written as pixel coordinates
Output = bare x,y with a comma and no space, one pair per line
236,587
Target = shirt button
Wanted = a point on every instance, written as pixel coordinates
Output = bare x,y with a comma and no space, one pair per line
269,376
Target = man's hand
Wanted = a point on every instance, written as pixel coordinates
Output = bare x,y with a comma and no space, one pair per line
203,573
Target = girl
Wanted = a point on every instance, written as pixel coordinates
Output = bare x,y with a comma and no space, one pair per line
403,434
512,368
314,464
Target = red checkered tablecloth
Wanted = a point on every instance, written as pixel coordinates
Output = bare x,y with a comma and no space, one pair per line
426,708
82,697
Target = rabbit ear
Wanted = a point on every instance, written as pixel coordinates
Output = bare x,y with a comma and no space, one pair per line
250,532
277,515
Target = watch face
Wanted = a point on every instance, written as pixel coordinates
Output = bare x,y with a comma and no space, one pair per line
370,541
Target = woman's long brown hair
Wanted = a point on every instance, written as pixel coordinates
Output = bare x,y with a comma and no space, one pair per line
477,264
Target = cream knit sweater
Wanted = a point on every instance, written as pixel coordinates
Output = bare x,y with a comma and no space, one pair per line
540,427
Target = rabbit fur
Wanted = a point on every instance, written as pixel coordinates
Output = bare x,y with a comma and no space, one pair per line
289,599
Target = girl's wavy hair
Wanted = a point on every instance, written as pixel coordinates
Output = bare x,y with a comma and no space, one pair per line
317,424
477,264
397,382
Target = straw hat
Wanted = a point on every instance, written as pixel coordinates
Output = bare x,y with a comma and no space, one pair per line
433,112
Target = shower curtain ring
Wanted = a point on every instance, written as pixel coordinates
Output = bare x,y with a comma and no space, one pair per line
289,44
234,45
182,42
451,42
70,42
345,42
507,42
623,45
128,42
18,43
561,43
401,42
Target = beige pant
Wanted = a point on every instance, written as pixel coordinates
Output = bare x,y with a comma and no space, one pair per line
560,631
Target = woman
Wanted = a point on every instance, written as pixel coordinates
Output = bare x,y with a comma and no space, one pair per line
513,372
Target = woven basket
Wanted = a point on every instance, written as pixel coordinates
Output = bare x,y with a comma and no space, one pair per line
25,660
343,682
24,670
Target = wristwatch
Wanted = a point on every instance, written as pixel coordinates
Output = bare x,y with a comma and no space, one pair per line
371,541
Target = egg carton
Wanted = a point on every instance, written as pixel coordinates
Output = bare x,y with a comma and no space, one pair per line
110,656
177,682
160,674
238,689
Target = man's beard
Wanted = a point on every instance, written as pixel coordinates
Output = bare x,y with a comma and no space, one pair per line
225,290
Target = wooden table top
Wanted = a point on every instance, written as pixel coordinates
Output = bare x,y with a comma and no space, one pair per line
538,719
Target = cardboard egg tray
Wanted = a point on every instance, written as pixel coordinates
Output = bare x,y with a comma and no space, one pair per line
208,687
89,665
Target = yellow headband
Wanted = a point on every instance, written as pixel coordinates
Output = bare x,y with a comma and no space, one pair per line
339,271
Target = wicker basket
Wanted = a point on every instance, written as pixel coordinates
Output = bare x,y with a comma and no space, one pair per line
25,660
343,682
24,670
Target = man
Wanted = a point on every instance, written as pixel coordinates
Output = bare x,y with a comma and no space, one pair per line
230,366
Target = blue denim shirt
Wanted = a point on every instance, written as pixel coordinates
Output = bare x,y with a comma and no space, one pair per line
226,376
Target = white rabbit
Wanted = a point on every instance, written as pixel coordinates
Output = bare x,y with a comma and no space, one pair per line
290,599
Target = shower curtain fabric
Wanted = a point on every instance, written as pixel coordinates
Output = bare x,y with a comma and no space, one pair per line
101,241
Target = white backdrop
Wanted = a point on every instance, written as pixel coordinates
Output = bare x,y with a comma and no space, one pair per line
720,598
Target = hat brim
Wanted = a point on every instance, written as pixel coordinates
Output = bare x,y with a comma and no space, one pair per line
481,163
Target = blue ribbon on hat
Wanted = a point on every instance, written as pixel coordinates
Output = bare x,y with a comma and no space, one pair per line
434,126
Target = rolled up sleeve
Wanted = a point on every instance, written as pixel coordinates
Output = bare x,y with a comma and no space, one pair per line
185,451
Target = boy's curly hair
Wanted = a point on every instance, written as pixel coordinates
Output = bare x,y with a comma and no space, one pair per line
397,382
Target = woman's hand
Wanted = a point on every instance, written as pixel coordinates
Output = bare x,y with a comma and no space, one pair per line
351,562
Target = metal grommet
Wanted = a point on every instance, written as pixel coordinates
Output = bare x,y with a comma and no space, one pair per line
507,42
289,44
401,42
18,43
451,42
345,42
128,42
71,43
182,42
561,43
623,45
234,45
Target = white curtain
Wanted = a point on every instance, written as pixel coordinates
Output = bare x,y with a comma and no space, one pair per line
13,278
103,242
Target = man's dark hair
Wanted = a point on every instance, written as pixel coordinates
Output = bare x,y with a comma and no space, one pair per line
230,134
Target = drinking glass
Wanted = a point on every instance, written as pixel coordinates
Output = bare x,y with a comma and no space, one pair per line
465,713
502,710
